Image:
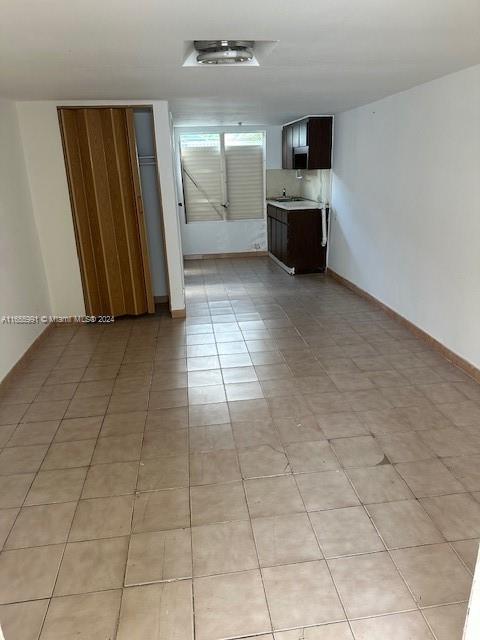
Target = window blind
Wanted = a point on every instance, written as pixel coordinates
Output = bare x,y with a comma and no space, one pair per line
202,179
223,169
244,167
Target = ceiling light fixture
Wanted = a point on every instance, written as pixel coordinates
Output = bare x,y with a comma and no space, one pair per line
224,51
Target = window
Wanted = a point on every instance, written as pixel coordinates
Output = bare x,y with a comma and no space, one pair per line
223,175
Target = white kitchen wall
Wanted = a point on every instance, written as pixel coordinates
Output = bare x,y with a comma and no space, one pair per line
51,204
316,185
279,179
406,199
23,285
310,184
228,236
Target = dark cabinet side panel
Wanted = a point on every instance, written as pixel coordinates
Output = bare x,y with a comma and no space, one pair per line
320,142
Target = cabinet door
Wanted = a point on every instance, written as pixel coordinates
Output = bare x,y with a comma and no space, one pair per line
269,233
278,239
305,252
302,133
284,147
289,158
283,242
320,142
295,134
275,237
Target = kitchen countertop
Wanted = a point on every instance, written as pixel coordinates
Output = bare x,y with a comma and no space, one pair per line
297,204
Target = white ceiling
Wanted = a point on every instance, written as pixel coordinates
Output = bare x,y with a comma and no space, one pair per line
331,54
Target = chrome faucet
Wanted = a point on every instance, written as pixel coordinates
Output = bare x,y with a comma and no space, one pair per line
284,192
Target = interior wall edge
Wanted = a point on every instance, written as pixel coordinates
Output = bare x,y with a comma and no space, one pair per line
456,359
42,146
178,313
35,223
173,244
21,362
23,283
40,133
405,200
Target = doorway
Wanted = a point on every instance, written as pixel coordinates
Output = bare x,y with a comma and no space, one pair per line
152,202
108,212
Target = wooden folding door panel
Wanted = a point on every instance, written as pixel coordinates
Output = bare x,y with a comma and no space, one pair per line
101,162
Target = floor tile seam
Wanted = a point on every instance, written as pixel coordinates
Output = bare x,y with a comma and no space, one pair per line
425,513
410,589
415,496
427,621
30,485
383,542
337,590
190,511
70,529
462,561
264,590
132,515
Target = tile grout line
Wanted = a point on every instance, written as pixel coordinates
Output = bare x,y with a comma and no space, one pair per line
66,540
254,541
388,550
34,473
29,488
215,298
194,626
123,586
365,509
337,591
70,528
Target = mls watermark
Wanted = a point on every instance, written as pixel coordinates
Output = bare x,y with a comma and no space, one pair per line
56,319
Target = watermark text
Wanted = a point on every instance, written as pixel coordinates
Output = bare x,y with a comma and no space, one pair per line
34,319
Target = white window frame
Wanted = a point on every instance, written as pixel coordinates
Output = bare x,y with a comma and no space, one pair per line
221,132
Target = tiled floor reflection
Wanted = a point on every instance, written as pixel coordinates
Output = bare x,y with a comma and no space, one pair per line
288,459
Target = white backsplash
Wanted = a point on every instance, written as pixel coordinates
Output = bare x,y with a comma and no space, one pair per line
316,185
279,179
313,185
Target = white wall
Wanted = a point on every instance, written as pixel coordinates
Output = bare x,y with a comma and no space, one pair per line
220,236
171,226
406,197
280,179
42,147
312,184
51,205
316,185
23,286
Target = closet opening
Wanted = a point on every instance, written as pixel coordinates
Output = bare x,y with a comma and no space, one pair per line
110,158
152,202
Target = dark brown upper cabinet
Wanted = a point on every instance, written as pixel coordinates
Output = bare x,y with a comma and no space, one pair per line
307,143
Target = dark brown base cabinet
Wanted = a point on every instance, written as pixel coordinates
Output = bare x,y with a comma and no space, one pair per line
295,238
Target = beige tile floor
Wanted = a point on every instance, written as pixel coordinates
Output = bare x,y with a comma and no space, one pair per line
287,463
